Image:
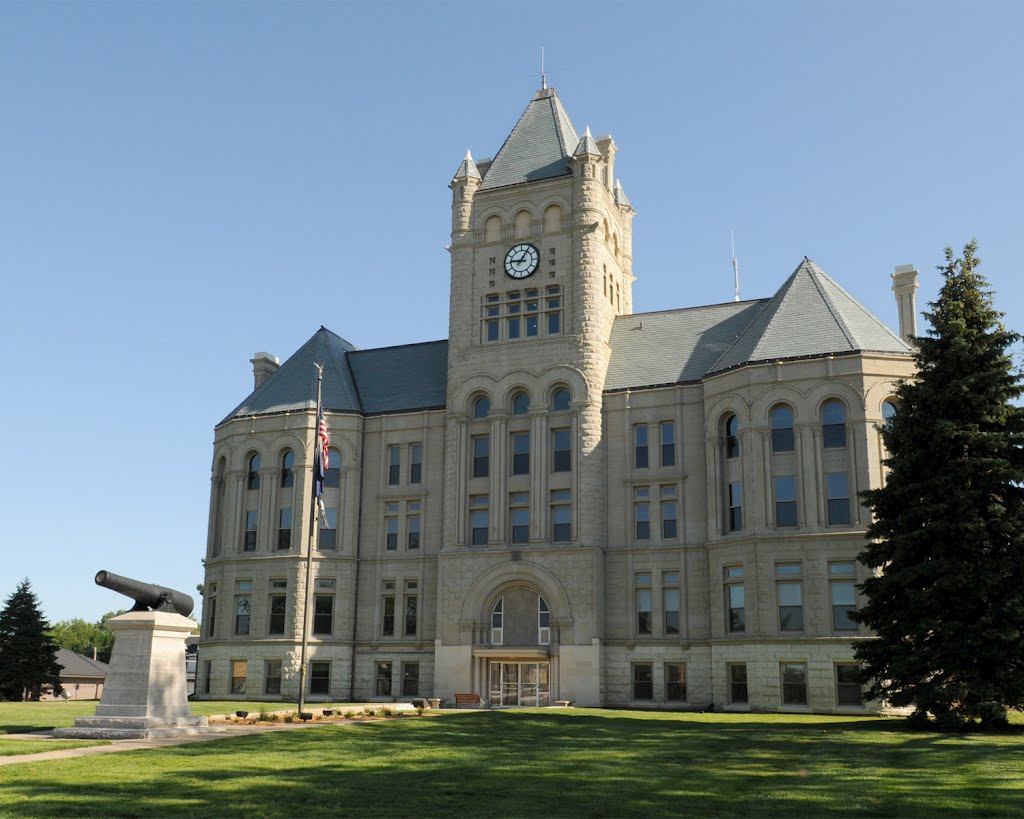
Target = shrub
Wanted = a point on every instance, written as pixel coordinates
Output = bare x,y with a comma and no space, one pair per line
289,718
348,715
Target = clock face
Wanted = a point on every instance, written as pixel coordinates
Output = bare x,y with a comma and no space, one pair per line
521,261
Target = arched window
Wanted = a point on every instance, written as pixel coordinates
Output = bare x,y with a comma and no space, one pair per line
521,224
543,622
731,425
288,468
888,411
560,399
520,403
552,219
492,229
782,428
253,477
833,424
482,407
332,478
496,623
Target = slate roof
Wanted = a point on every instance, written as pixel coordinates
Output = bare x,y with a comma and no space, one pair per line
468,168
387,379
539,147
675,346
810,315
77,665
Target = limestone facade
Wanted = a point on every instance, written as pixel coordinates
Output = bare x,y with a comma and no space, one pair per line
562,525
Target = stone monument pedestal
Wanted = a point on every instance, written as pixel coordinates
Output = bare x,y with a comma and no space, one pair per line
144,694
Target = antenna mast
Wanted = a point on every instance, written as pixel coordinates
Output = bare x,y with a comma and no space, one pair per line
735,265
543,77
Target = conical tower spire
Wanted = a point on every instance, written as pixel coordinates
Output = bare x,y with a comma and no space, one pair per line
468,169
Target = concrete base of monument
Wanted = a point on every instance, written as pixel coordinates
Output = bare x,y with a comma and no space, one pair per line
136,728
144,695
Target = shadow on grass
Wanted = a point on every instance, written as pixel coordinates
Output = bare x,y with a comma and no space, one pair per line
565,763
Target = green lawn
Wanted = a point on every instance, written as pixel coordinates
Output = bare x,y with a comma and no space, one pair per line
555,762
20,717
16,747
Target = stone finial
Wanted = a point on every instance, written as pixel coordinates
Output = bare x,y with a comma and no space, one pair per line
904,283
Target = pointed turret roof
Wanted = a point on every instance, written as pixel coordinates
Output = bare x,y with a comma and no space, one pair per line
587,145
467,169
810,315
539,146
620,196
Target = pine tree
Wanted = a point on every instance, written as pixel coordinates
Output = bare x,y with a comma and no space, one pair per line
28,657
948,530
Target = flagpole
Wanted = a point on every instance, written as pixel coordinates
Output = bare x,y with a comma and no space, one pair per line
313,533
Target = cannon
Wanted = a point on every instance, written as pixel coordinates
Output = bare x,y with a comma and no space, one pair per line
147,595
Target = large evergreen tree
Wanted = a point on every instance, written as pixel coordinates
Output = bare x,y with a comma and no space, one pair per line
948,530
28,657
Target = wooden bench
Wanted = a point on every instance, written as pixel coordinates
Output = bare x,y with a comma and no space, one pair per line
468,699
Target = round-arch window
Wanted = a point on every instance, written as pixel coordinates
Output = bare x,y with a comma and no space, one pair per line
782,429
732,437
520,403
481,407
833,425
888,411
253,479
332,478
288,468
560,399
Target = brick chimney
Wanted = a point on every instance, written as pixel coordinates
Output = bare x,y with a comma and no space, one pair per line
264,365
904,283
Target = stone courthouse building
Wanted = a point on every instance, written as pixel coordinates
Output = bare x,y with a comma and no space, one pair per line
564,500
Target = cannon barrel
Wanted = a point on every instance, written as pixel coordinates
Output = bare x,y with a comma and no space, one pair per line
147,595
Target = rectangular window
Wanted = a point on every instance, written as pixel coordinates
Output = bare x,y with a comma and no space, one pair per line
320,678
383,686
332,478
668,443
327,537
388,625
284,528
520,453
411,600
643,681
675,682
848,690
251,521
670,598
394,464
642,512
844,596
790,593
669,525
554,323
412,524
243,611
561,451
492,330
479,519
785,500
415,463
391,533
837,489
481,456
211,621
519,513
640,459
410,679
207,673
239,671
561,515
794,683
736,597
278,608
738,682
272,677
323,614
735,506
644,613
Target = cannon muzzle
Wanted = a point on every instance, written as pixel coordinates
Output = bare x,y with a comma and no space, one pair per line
147,595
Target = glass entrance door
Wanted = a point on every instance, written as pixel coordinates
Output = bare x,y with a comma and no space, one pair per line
519,684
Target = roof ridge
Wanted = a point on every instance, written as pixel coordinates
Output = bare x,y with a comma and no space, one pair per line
814,271
692,307
397,346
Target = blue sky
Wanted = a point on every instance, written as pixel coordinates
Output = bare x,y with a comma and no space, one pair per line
184,184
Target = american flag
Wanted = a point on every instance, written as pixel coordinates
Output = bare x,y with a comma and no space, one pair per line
322,458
